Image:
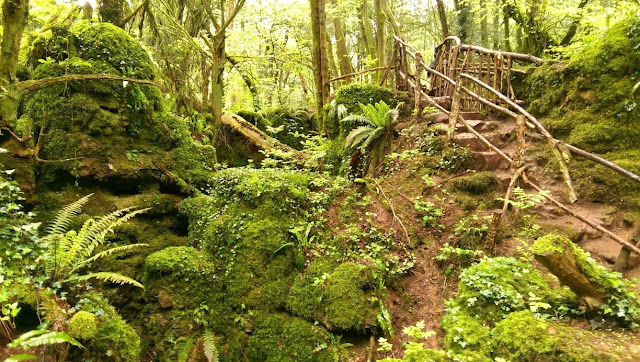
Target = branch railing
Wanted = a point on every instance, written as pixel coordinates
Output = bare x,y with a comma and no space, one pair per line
463,80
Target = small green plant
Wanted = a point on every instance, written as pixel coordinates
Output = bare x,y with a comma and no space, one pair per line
69,251
449,253
418,336
302,244
200,345
431,214
38,337
471,231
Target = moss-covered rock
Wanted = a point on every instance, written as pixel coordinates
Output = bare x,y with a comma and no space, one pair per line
477,183
279,337
588,99
83,325
523,337
118,339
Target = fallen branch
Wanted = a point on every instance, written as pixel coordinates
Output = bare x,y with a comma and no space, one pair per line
37,84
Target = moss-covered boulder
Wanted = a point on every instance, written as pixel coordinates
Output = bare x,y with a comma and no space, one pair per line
101,129
477,183
523,337
588,98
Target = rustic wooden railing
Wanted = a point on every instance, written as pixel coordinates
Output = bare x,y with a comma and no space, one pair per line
471,78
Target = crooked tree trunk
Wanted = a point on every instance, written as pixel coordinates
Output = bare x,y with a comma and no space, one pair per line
319,57
507,33
217,71
573,29
558,255
14,19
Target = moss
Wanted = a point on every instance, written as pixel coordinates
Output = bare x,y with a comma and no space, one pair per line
523,337
549,243
83,325
586,98
337,296
465,333
477,183
119,340
255,118
278,337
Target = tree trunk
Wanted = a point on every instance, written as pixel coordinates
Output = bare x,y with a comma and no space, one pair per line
392,19
217,71
344,60
442,14
14,19
248,81
507,33
381,33
463,19
484,26
573,29
333,68
112,11
319,58
367,31
496,25
625,253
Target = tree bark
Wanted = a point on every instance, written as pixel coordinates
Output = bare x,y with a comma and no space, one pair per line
507,33
561,262
319,57
442,14
367,31
112,11
14,19
463,19
573,29
381,32
344,60
249,81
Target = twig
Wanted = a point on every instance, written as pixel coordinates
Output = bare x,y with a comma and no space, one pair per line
392,210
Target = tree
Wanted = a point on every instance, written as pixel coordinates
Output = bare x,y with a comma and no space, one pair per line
442,15
344,59
14,19
319,57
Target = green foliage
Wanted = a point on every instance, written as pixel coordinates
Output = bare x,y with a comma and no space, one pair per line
288,126
68,252
621,303
37,338
349,98
118,339
454,158
83,325
431,214
465,333
471,231
495,287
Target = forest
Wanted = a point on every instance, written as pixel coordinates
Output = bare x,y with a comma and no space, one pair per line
320,180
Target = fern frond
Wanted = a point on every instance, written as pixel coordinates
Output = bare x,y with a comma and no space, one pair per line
357,120
103,226
102,254
356,136
209,346
37,338
105,277
373,137
20,357
61,222
185,353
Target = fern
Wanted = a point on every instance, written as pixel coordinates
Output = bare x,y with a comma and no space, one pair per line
37,338
20,357
185,353
117,249
61,223
209,346
106,277
69,251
